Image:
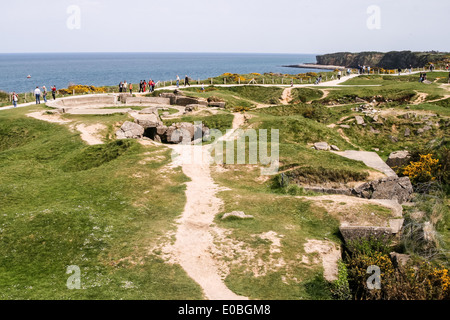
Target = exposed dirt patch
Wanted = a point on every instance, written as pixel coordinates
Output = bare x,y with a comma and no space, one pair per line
54,118
90,134
286,97
329,253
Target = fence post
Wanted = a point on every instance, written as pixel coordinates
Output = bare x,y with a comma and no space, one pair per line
224,80
211,81
263,80
239,80
282,80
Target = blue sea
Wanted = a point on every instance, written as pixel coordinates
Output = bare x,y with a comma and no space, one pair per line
107,69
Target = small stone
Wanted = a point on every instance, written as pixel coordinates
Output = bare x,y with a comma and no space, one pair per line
334,148
321,146
407,132
359,120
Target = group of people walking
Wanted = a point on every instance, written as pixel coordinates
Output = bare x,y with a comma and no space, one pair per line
143,85
37,94
363,69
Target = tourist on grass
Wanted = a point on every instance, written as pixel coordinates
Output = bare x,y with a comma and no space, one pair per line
203,87
54,92
178,81
37,94
15,98
44,93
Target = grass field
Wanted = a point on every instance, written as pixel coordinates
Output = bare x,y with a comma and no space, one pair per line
98,207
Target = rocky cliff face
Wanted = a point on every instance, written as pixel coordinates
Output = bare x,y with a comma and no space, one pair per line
389,60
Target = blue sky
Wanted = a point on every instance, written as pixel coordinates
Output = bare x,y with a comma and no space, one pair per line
275,26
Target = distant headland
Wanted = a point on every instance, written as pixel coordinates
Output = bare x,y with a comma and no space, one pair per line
386,60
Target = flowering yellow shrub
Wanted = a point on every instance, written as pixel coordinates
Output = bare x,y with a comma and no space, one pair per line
422,170
80,89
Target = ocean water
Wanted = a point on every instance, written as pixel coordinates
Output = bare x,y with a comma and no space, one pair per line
107,69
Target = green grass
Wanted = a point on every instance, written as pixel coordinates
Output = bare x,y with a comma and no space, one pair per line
64,203
305,95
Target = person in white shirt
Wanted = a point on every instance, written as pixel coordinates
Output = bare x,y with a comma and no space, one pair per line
37,94
15,98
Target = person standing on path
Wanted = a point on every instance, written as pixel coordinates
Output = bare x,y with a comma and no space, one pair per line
54,92
125,86
131,88
178,81
15,98
37,94
144,86
339,75
186,81
120,86
44,93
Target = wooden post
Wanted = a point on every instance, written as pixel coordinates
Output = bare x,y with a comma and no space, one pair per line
211,81
282,80
239,80
273,81
225,80
263,80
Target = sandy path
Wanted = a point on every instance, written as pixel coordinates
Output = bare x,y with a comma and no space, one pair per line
90,133
194,240
286,97
53,118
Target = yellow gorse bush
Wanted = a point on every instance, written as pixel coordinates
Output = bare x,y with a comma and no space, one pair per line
422,170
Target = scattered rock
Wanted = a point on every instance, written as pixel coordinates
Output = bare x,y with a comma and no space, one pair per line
399,259
236,214
344,126
334,148
398,159
359,120
321,146
374,131
130,130
407,132
218,104
393,139
393,188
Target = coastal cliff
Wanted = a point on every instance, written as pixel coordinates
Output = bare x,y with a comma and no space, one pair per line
389,60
